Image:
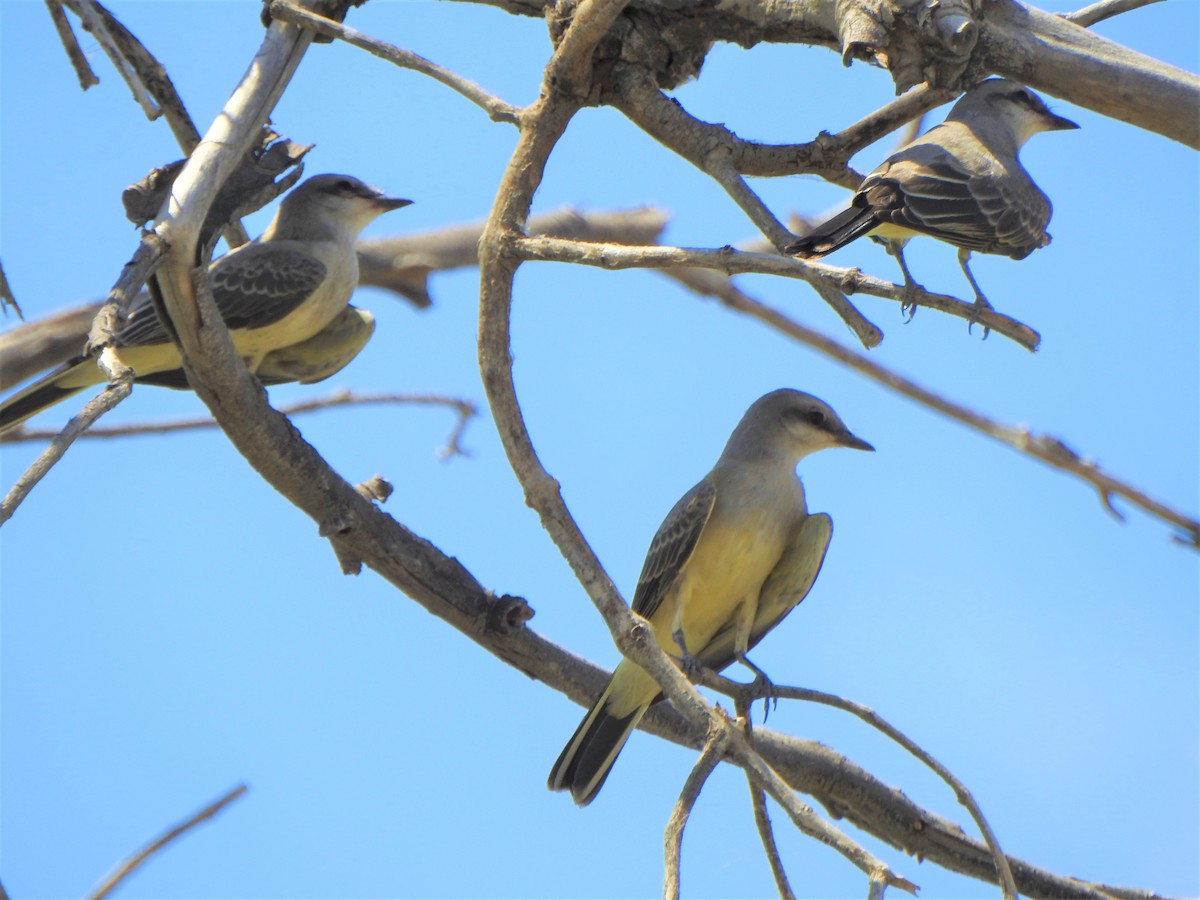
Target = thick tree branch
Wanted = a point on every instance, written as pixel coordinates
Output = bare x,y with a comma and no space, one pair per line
1014,41
1074,64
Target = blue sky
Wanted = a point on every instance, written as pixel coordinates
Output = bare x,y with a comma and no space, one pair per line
171,626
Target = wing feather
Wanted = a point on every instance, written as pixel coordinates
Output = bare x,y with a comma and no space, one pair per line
672,547
254,286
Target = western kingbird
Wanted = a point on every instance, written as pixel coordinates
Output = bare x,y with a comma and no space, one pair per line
733,557
960,182
277,294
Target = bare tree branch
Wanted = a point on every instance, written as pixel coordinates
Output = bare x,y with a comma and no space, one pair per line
453,447
113,394
1046,448
714,747
403,263
730,261
497,109
766,834
1104,9
7,300
747,693
113,880
83,70
1014,41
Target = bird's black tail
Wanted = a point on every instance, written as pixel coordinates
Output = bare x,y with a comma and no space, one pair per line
40,395
832,234
588,757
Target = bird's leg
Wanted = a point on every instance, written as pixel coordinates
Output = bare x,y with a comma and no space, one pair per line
689,664
762,686
908,306
981,302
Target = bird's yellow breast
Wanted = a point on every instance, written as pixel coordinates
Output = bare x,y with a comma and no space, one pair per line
731,561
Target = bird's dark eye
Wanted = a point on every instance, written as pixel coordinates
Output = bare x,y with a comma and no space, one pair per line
813,417
346,186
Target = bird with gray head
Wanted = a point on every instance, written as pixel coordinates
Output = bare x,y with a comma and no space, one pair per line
283,297
961,182
734,556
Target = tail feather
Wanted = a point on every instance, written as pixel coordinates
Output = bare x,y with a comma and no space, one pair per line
833,234
587,759
42,394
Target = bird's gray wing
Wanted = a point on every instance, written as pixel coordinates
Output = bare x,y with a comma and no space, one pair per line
672,547
142,326
253,286
788,584
261,283
992,211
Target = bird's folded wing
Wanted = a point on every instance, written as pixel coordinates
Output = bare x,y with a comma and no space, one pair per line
979,212
788,584
672,547
260,284
253,287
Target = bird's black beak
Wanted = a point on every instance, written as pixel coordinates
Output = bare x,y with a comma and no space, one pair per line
1057,123
386,204
854,442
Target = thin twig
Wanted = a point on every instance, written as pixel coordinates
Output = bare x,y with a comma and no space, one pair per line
110,317
95,24
872,718
758,803
1104,9
7,300
805,819
766,834
66,34
453,447
151,74
126,868
497,109
713,750
140,65
774,231
1046,448
96,407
